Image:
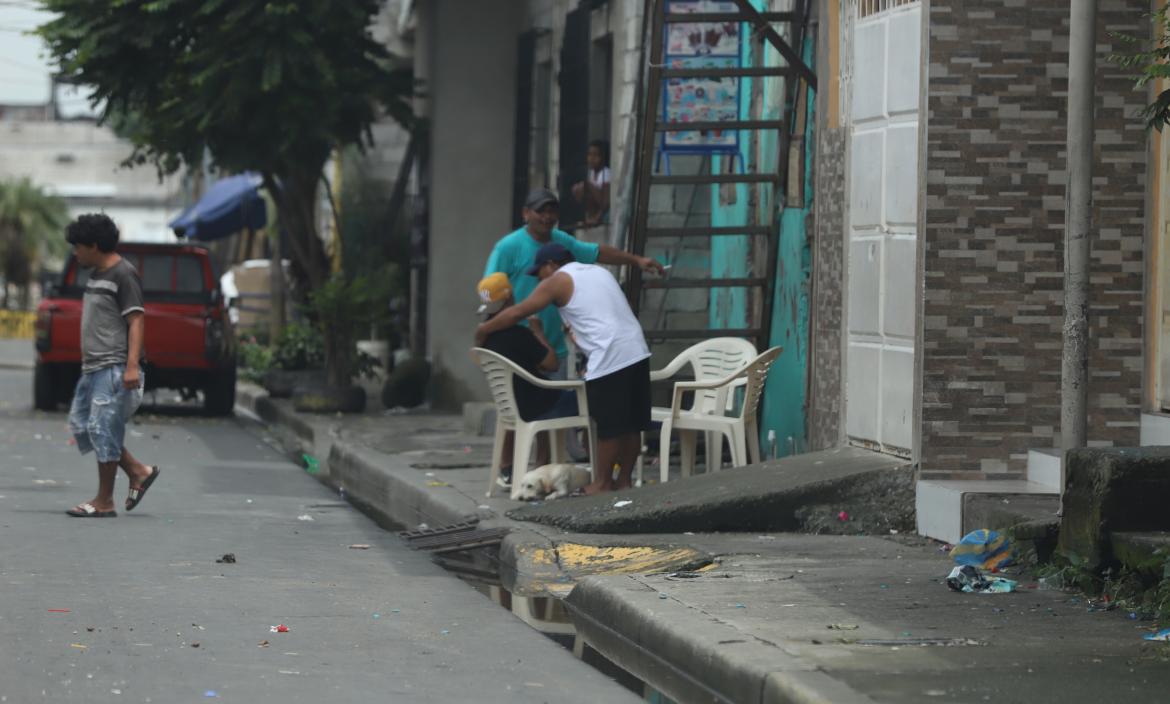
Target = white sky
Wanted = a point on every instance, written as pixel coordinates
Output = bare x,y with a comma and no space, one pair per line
24,70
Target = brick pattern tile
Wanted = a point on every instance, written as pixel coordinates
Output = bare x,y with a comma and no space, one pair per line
995,187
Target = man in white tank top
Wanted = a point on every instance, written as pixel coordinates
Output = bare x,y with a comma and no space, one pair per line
617,378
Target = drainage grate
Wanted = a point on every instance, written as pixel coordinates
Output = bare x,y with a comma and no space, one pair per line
455,537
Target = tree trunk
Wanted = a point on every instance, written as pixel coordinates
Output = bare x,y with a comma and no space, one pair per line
296,197
339,353
295,194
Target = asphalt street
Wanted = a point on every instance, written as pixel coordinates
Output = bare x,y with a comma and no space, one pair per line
136,608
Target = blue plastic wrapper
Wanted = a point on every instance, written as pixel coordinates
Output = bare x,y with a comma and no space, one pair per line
985,549
1163,635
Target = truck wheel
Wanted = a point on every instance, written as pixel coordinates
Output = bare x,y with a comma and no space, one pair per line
44,393
219,396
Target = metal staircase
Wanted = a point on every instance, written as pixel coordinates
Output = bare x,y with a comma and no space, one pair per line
769,187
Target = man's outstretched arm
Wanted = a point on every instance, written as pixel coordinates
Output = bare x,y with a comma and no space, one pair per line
612,255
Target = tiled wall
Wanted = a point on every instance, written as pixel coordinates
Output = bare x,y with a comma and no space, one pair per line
824,415
995,186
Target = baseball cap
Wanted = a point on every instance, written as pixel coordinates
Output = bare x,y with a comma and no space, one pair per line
551,252
493,291
539,198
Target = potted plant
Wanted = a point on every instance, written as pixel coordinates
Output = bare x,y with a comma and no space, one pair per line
297,360
342,309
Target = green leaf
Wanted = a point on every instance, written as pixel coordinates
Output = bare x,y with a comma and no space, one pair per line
272,72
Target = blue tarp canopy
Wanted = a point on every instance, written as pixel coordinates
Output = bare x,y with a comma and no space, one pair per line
231,204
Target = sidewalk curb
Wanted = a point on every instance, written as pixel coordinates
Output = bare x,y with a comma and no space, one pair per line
622,618
392,493
380,485
630,623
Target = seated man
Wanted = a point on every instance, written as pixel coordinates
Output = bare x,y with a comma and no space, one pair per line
617,376
531,351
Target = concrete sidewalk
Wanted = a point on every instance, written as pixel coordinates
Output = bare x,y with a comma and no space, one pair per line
745,617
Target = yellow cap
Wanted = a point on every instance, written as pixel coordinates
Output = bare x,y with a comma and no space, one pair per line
493,292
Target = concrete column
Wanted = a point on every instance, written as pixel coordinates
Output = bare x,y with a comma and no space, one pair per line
1078,216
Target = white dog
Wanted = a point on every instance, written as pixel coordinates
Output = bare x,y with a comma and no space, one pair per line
551,481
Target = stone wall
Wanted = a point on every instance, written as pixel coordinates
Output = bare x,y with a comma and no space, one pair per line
995,186
824,414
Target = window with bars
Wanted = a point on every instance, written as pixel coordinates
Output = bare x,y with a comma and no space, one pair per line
869,8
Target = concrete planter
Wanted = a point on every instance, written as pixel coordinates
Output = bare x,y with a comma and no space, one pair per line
282,383
322,399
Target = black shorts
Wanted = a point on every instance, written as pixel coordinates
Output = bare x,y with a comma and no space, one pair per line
619,402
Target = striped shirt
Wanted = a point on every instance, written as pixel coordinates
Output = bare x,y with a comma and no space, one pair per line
110,296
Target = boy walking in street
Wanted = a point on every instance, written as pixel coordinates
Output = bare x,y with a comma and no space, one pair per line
111,383
617,379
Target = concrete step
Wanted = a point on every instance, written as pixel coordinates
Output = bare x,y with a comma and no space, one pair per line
1044,467
939,504
763,497
1142,551
1155,429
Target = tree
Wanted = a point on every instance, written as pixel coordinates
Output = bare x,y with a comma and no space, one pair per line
1149,59
31,228
264,85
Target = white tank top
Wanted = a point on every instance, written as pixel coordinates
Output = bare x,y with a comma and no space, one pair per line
601,320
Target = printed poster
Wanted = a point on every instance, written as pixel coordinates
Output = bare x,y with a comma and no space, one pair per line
702,45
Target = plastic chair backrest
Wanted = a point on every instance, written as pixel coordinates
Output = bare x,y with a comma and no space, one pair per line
756,374
499,371
715,359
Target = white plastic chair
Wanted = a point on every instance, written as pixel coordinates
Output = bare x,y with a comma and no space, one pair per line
741,429
500,372
709,360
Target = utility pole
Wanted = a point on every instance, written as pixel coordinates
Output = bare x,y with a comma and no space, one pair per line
1074,376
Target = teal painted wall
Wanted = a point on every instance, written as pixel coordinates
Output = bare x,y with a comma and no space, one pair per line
785,393
729,255
783,405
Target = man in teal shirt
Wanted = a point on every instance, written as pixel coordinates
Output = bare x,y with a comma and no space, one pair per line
514,253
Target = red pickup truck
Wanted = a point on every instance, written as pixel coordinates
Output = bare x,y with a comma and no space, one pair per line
190,342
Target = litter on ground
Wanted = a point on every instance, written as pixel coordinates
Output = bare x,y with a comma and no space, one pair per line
985,549
312,466
968,580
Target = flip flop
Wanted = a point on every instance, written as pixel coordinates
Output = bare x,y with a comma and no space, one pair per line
136,495
86,510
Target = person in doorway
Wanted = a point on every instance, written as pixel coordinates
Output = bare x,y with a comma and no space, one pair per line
593,192
530,350
617,378
110,388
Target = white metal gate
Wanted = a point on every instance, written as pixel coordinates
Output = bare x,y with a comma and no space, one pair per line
882,230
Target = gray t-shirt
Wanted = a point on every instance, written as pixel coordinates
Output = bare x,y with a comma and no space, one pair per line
110,295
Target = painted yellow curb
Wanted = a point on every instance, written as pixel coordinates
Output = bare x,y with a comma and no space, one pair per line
17,324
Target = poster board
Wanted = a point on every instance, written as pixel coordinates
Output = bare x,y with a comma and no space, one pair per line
702,45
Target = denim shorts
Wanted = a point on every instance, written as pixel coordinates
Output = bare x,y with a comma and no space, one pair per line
101,408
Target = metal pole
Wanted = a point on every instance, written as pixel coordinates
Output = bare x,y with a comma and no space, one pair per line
1078,215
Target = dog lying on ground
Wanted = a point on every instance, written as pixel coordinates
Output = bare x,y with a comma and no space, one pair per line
551,481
